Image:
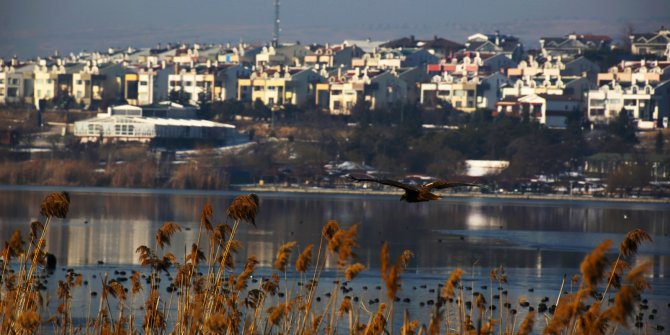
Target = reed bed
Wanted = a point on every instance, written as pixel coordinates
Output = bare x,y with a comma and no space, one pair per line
208,293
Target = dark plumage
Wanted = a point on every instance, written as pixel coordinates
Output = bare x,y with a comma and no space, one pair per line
414,193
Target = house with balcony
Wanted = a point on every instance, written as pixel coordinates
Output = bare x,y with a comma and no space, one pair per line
278,86
552,76
639,71
192,85
12,82
44,81
379,88
474,67
456,90
645,102
146,85
533,107
657,43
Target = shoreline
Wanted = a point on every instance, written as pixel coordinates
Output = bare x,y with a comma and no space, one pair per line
316,190
335,191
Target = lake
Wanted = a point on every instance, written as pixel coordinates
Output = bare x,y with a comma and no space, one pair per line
537,241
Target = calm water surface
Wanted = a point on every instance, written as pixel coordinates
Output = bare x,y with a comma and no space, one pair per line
537,240
109,224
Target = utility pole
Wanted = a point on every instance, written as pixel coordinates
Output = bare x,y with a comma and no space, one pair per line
275,34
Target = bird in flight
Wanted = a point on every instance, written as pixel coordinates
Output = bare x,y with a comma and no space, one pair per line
414,193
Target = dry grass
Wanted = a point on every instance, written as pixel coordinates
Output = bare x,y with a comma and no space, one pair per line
207,295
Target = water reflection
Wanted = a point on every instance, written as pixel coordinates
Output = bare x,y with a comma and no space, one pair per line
536,235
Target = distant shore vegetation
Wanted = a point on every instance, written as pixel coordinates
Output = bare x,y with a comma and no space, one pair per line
294,146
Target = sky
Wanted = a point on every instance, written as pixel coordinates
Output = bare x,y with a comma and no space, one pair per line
40,27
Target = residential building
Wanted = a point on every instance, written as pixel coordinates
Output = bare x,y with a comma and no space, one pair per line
225,87
458,91
12,88
496,43
657,43
192,85
574,44
560,108
379,88
278,86
489,89
333,56
413,77
638,71
284,55
44,82
530,106
645,102
581,67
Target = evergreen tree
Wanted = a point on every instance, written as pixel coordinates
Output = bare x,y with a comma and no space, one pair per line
659,142
624,127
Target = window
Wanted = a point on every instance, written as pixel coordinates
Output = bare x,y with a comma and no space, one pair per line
337,105
124,130
94,129
12,92
143,83
2,81
188,83
14,81
79,82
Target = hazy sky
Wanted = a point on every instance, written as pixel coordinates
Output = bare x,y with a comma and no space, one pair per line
38,27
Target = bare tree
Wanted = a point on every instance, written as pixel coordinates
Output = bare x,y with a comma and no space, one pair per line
627,30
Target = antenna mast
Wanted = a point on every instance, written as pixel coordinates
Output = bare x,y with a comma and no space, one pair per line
275,34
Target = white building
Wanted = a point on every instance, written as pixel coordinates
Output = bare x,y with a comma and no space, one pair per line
640,100
129,123
11,85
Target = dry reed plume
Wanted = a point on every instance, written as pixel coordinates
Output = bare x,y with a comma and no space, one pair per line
283,255
206,295
305,259
244,208
56,205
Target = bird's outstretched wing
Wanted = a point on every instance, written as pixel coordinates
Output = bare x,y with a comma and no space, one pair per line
440,184
388,182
